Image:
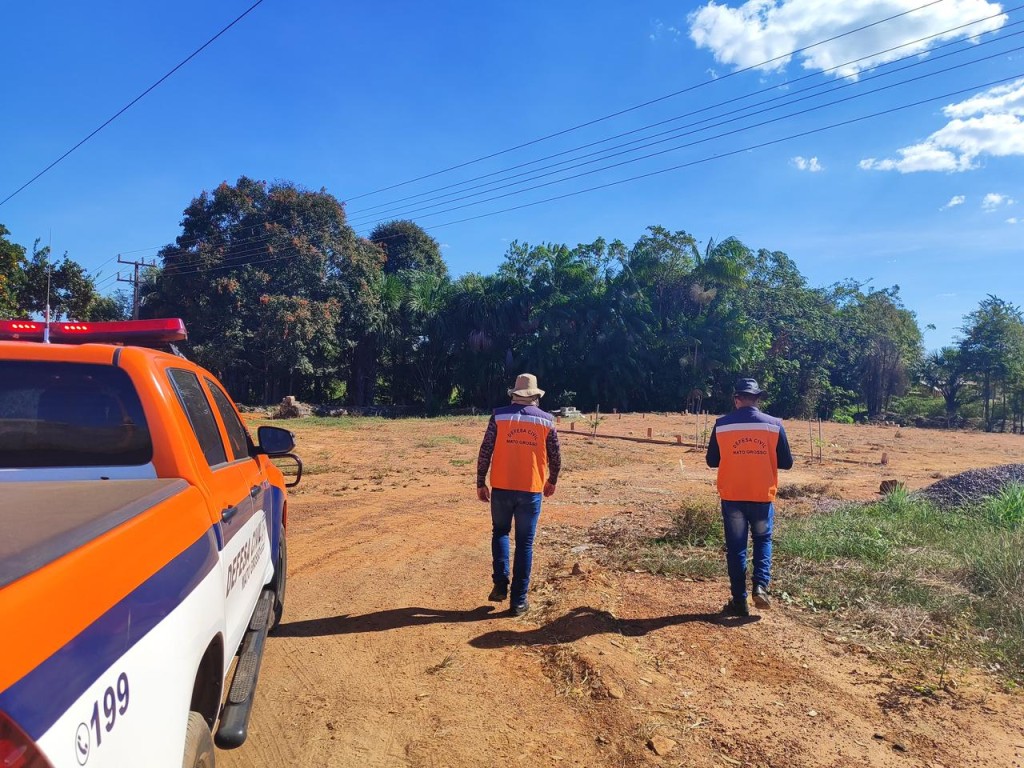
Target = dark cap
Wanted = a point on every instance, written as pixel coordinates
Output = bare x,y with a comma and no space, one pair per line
747,387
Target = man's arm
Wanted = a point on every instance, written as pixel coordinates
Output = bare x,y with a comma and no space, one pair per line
554,450
714,457
483,460
782,452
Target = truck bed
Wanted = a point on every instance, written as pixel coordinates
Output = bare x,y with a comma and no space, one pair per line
43,521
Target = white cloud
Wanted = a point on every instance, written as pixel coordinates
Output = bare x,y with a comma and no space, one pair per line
988,123
954,201
661,30
1012,220
768,30
811,165
995,200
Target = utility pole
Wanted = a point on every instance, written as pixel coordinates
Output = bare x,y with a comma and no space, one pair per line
134,280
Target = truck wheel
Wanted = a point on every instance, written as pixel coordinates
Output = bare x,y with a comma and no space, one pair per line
280,582
198,743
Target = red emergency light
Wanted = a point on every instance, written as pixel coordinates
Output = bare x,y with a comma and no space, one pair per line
136,332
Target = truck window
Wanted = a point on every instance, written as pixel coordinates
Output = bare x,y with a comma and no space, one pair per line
200,416
236,431
55,414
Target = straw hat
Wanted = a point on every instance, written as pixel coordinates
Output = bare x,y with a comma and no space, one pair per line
526,386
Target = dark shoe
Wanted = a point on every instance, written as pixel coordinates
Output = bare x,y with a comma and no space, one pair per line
761,598
736,608
499,594
519,610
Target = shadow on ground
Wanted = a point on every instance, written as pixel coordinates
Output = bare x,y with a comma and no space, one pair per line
585,622
381,621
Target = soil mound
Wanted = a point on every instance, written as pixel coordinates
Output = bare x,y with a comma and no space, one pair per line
973,485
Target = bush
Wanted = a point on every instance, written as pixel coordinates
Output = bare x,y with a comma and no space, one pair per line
696,524
1006,508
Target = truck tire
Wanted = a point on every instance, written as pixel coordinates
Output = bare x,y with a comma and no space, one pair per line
280,582
198,743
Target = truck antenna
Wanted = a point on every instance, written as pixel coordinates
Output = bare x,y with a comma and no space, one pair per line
46,328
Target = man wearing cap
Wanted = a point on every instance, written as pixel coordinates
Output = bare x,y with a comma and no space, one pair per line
749,448
521,449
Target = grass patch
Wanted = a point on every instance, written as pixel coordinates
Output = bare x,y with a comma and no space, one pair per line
337,422
439,441
690,548
945,578
808,490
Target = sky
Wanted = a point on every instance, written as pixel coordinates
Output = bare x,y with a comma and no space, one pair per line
874,140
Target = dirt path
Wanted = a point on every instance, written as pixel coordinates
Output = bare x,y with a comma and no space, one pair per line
389,654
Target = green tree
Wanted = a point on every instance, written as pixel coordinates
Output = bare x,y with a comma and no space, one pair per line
799,335
408,247
254,248
944,371
993,350
12,275
878,342
65,286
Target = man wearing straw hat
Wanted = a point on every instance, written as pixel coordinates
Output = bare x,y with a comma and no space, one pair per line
749,448
521,449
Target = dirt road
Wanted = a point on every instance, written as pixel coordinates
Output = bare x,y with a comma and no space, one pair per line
390,655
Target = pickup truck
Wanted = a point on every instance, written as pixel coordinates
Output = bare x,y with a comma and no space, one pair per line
142,549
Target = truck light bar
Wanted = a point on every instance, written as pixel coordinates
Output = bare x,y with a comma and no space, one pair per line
137,332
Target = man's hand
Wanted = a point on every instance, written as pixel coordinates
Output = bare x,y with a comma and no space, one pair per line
483,493
549,490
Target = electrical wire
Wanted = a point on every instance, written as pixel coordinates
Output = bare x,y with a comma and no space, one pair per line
423,212
361,213
648,103
255,240
657,100
709,158
134,101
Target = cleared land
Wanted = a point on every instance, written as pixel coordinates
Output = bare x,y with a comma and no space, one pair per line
390,655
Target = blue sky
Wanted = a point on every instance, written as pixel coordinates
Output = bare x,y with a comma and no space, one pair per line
356,97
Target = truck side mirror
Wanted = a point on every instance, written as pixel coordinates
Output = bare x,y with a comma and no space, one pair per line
275,441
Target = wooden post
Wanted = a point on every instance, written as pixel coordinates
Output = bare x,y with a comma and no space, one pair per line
679,439
820,441
572,426
649,431
810,439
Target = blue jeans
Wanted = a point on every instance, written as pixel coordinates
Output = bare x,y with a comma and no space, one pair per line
739,517
524,508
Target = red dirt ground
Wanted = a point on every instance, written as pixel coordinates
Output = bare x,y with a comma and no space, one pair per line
390,655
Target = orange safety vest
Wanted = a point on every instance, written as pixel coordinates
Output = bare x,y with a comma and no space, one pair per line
749,469
520,459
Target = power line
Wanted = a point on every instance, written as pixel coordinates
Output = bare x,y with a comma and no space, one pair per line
266,238
423,214
646,103
362,214
237,258
709,158
730,153
134,101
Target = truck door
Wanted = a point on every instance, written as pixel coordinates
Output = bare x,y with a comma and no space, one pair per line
242,533
243,454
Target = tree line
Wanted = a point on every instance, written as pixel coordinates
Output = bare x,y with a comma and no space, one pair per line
280,296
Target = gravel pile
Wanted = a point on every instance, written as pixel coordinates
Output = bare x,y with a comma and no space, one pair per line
973,485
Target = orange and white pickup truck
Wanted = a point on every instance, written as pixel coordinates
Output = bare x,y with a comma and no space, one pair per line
142,549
